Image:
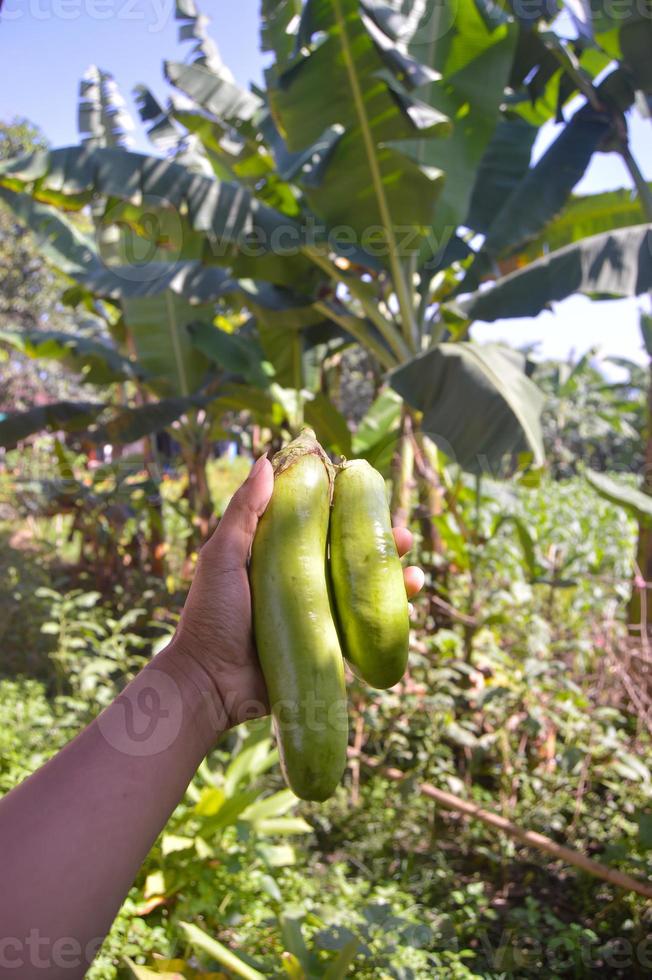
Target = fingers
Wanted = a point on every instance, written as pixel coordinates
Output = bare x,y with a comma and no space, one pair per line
403,539
414,579
235,533
413,575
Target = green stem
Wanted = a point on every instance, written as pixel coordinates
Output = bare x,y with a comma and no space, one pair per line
297,379
642,189
437,329
175,343
422,310
572,67
402,473
478,504
358,329
400,282
385,327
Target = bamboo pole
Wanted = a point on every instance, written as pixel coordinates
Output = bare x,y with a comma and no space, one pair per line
528,837
532,839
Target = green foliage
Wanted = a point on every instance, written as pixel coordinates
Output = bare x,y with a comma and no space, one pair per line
425,128
589,214
591,420
622,494
30,730
610,265
546,187
102,118
19,136
503,405
131,936
95,652
22,573
30,296
516,711
375,127
401,100
98,363
516,696
74,416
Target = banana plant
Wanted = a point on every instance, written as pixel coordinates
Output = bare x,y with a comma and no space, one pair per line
153,377
152,315
351,194
153,344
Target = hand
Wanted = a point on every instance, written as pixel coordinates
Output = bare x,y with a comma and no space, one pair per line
215,630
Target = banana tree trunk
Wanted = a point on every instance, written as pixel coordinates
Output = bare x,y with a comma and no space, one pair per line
402,474
198,493
430,492
155,547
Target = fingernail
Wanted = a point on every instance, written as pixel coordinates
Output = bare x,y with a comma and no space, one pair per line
258,465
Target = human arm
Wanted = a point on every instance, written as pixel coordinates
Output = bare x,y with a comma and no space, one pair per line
73,835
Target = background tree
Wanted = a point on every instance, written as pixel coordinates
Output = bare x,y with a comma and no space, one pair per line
30,298
462,148
591,419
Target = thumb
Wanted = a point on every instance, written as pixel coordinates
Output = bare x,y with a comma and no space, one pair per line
232,540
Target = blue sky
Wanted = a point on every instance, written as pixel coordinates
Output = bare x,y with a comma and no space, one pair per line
46,45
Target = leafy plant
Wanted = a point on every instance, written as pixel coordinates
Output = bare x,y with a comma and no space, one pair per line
589,418
93,654
400,102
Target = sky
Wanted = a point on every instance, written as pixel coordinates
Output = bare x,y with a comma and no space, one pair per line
46,45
